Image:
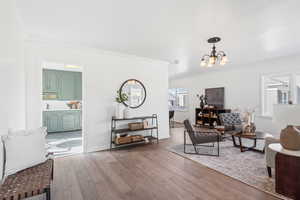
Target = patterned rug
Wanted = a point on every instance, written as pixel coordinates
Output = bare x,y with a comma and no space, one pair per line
248,167
64,143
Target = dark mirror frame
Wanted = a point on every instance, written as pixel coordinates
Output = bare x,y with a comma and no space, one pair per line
120,92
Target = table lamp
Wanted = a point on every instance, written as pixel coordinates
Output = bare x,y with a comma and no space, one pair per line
288,118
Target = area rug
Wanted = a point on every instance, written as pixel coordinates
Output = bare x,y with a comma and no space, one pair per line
248,167
64,143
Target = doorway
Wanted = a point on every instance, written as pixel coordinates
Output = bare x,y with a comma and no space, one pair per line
62,108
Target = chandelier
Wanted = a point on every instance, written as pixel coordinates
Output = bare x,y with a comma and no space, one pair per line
214,57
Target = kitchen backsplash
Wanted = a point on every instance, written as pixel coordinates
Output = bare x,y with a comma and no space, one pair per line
56,105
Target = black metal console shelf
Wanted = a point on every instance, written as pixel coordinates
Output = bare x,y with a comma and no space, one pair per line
115,130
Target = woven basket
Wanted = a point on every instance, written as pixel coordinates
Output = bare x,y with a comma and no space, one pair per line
136,126
123,140
137,138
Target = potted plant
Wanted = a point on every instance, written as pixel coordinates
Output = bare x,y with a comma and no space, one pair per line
120,108
203,100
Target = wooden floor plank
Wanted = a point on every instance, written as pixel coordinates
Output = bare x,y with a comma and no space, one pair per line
145,172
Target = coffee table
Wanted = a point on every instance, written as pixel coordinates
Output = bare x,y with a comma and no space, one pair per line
257,136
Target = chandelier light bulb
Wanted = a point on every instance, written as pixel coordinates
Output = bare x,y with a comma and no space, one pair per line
214,57
224,59
212,60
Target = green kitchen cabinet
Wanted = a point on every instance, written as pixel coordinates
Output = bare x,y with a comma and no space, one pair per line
50,81
70,120
52,120
67,86
62,85
62,120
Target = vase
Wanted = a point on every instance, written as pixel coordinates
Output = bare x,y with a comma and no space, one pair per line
119,111
290,138
126,113
201,105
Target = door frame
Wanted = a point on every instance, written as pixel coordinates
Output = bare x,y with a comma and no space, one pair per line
42,63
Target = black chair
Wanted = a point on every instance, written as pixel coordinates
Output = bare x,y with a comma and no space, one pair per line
171,116
198,138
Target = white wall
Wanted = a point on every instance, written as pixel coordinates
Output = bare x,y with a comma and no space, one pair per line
103,74
242,86
12,99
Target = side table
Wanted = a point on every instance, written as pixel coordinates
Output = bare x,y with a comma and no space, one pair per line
287,166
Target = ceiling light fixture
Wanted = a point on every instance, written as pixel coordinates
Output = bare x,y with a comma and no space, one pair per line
214,57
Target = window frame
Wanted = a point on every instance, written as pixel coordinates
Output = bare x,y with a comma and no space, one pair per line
292,86
177,108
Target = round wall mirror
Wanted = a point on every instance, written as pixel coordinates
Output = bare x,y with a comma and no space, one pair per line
135,91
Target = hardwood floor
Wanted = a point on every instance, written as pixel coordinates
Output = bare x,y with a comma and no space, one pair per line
142,173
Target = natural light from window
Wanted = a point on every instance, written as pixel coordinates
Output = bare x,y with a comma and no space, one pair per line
279,89
178,99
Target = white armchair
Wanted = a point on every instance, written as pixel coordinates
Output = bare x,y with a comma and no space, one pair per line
270,154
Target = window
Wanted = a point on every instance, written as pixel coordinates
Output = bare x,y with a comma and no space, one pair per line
298,88
279,89
178,99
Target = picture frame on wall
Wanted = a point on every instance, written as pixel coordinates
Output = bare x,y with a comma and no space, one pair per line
216,97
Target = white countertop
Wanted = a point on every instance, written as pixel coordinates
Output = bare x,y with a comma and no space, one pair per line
278,148
62,110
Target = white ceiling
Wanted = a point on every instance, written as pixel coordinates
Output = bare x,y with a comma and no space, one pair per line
170,29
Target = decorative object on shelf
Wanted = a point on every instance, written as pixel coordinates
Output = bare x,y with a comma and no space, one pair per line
127,139
207,116
203,100
123,140
215,124
135,92
145,124
287,116
136,126
137,138
118,131
214,57
74,104
120,108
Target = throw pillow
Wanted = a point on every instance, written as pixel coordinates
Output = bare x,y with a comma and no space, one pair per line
24,149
